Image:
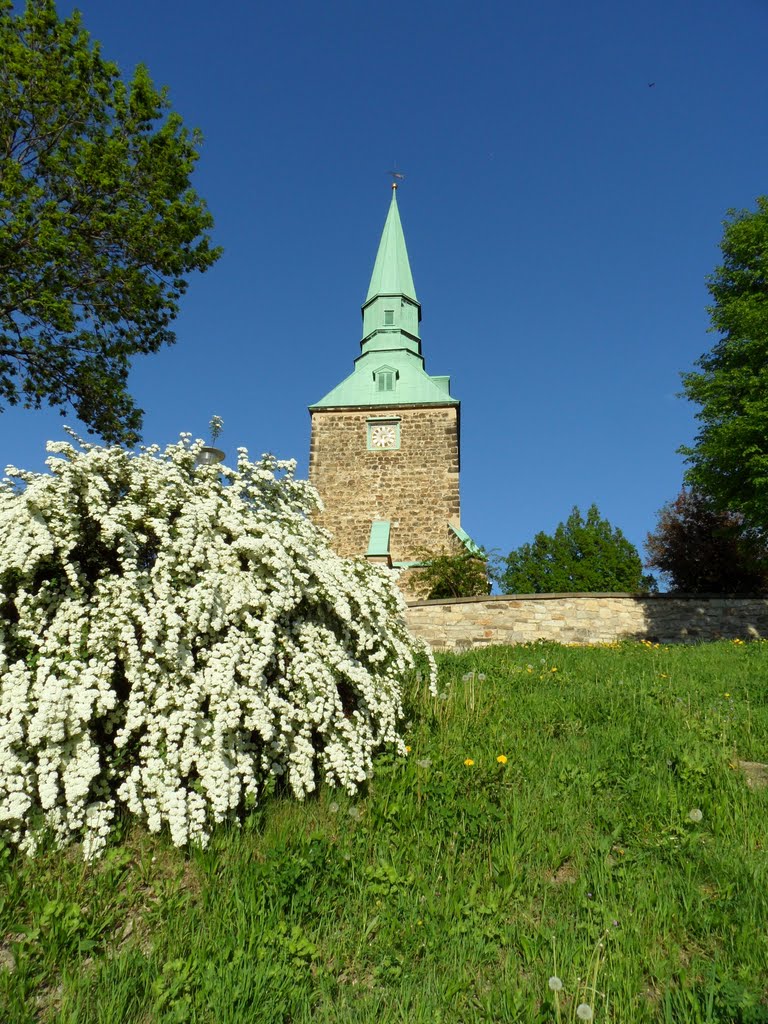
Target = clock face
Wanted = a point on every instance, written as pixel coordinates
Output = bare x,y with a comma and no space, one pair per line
383,436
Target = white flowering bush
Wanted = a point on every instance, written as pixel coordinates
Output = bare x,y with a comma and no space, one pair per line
172,635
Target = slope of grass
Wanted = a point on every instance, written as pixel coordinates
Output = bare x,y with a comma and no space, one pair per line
569,812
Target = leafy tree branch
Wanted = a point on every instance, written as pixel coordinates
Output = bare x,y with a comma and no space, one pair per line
729,457
99,224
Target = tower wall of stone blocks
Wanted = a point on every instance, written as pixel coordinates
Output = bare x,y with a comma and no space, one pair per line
414,486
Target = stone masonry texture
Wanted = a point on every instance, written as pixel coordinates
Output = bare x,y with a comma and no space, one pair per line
415,488
586,619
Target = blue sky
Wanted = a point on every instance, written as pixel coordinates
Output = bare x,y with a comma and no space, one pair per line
561,216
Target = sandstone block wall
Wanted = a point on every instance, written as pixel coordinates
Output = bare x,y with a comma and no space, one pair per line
415,487
586,618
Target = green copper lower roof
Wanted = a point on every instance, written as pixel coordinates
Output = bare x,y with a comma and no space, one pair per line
394,377
469,544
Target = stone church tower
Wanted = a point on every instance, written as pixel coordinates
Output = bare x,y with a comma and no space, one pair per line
384,452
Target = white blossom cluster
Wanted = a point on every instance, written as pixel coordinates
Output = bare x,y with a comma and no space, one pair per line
172,635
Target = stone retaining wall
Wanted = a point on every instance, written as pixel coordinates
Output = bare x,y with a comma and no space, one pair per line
586,618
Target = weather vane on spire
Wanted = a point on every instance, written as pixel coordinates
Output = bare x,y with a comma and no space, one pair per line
396,177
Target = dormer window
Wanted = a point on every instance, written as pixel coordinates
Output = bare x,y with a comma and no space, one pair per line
389,317
384,378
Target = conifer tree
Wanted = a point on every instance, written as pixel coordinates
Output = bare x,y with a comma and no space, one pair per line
582,556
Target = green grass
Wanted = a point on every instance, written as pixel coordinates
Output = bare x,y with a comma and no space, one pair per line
450,892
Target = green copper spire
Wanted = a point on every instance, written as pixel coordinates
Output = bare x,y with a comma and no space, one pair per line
391,311
392,271
390,368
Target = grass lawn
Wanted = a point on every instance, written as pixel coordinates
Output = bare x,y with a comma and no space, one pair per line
570,812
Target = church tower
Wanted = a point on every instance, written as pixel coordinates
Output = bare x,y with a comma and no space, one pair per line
384,452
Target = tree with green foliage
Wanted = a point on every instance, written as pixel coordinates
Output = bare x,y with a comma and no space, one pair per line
452,575
98,222
729,458
582,556
702,550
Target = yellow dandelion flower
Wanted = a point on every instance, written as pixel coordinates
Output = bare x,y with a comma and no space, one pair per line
468,762
502,758
407,750
726,695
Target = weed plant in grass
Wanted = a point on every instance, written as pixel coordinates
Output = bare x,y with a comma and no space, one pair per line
567,814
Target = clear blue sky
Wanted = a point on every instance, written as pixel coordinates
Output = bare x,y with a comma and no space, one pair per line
561,216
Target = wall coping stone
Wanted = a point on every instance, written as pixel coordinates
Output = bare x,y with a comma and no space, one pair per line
669,596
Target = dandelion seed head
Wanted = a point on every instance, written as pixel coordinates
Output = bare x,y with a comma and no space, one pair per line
584,1011
555,983
695,814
